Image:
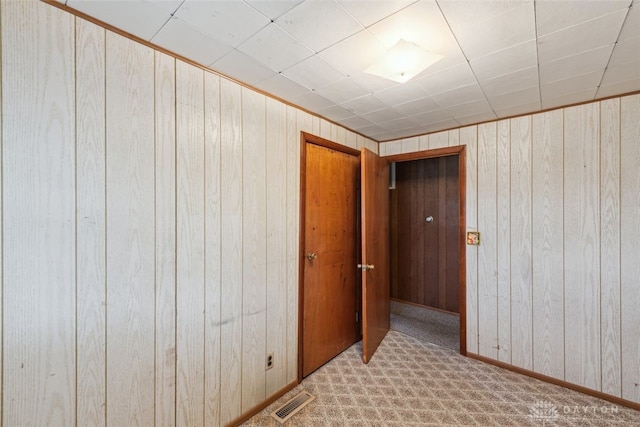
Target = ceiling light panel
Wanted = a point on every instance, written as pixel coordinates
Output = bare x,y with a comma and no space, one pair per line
554,15
403,62
587,36
319,23
142,19
230,22
313,72
178,36
275,48
273,9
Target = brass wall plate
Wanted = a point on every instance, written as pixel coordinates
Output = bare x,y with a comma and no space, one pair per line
473,238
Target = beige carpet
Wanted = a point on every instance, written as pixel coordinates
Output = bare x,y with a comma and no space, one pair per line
427,325
412,383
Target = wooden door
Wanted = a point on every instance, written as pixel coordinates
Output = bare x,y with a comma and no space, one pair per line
425,211
330,255
375,251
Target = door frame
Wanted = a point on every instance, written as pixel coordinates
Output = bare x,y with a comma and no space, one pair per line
307,138
460,151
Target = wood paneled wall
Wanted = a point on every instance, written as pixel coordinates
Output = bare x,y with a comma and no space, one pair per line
150,228
554,286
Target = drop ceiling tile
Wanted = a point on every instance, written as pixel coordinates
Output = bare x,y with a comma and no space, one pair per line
383,115
313,72
280,86
480,106
430,117
417,106
581,63
587,36
356,123
242,67
461,95
308,22
273,9
335,112
230,22
372,130
275,48
553,15
342,91
619,88
625,61
368,12
505,61
514,27
572,85
372,83
399,93
179,37
142,19
572,98
476,118
364,104
394,135
463,13
513,82
513,99
519,109
354,54
631,27
169,6
397,124
452,78
313,102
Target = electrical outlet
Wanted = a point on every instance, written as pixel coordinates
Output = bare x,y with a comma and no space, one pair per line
269,361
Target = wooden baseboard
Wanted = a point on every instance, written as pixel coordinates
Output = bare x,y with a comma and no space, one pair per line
253,411
604,396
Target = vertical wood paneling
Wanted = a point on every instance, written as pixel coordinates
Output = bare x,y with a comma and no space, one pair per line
410,145
293,239
547,239
630,252
582,245
487,251
189,245
231,263
253,249
503,239
276,244
439,140
90,194
130,232
213,232
469,137
39,215
165,194
521,246
454,137
325,129
610,246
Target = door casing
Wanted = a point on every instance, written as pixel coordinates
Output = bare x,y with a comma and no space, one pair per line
460,151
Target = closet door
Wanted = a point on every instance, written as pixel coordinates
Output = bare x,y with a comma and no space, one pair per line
375,251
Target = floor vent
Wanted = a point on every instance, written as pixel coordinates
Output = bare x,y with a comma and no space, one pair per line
294,405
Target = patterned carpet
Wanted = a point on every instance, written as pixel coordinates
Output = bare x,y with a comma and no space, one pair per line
412,383
427,325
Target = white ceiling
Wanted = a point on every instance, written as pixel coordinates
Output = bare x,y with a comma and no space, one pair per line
502,57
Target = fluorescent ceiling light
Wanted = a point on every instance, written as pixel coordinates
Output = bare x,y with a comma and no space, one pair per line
403,61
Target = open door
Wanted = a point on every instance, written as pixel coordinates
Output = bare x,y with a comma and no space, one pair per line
375,251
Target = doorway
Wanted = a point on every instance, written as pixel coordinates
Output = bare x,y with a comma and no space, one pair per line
428,246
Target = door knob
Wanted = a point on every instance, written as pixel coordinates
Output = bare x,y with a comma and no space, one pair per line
311,256
429,219
365,267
